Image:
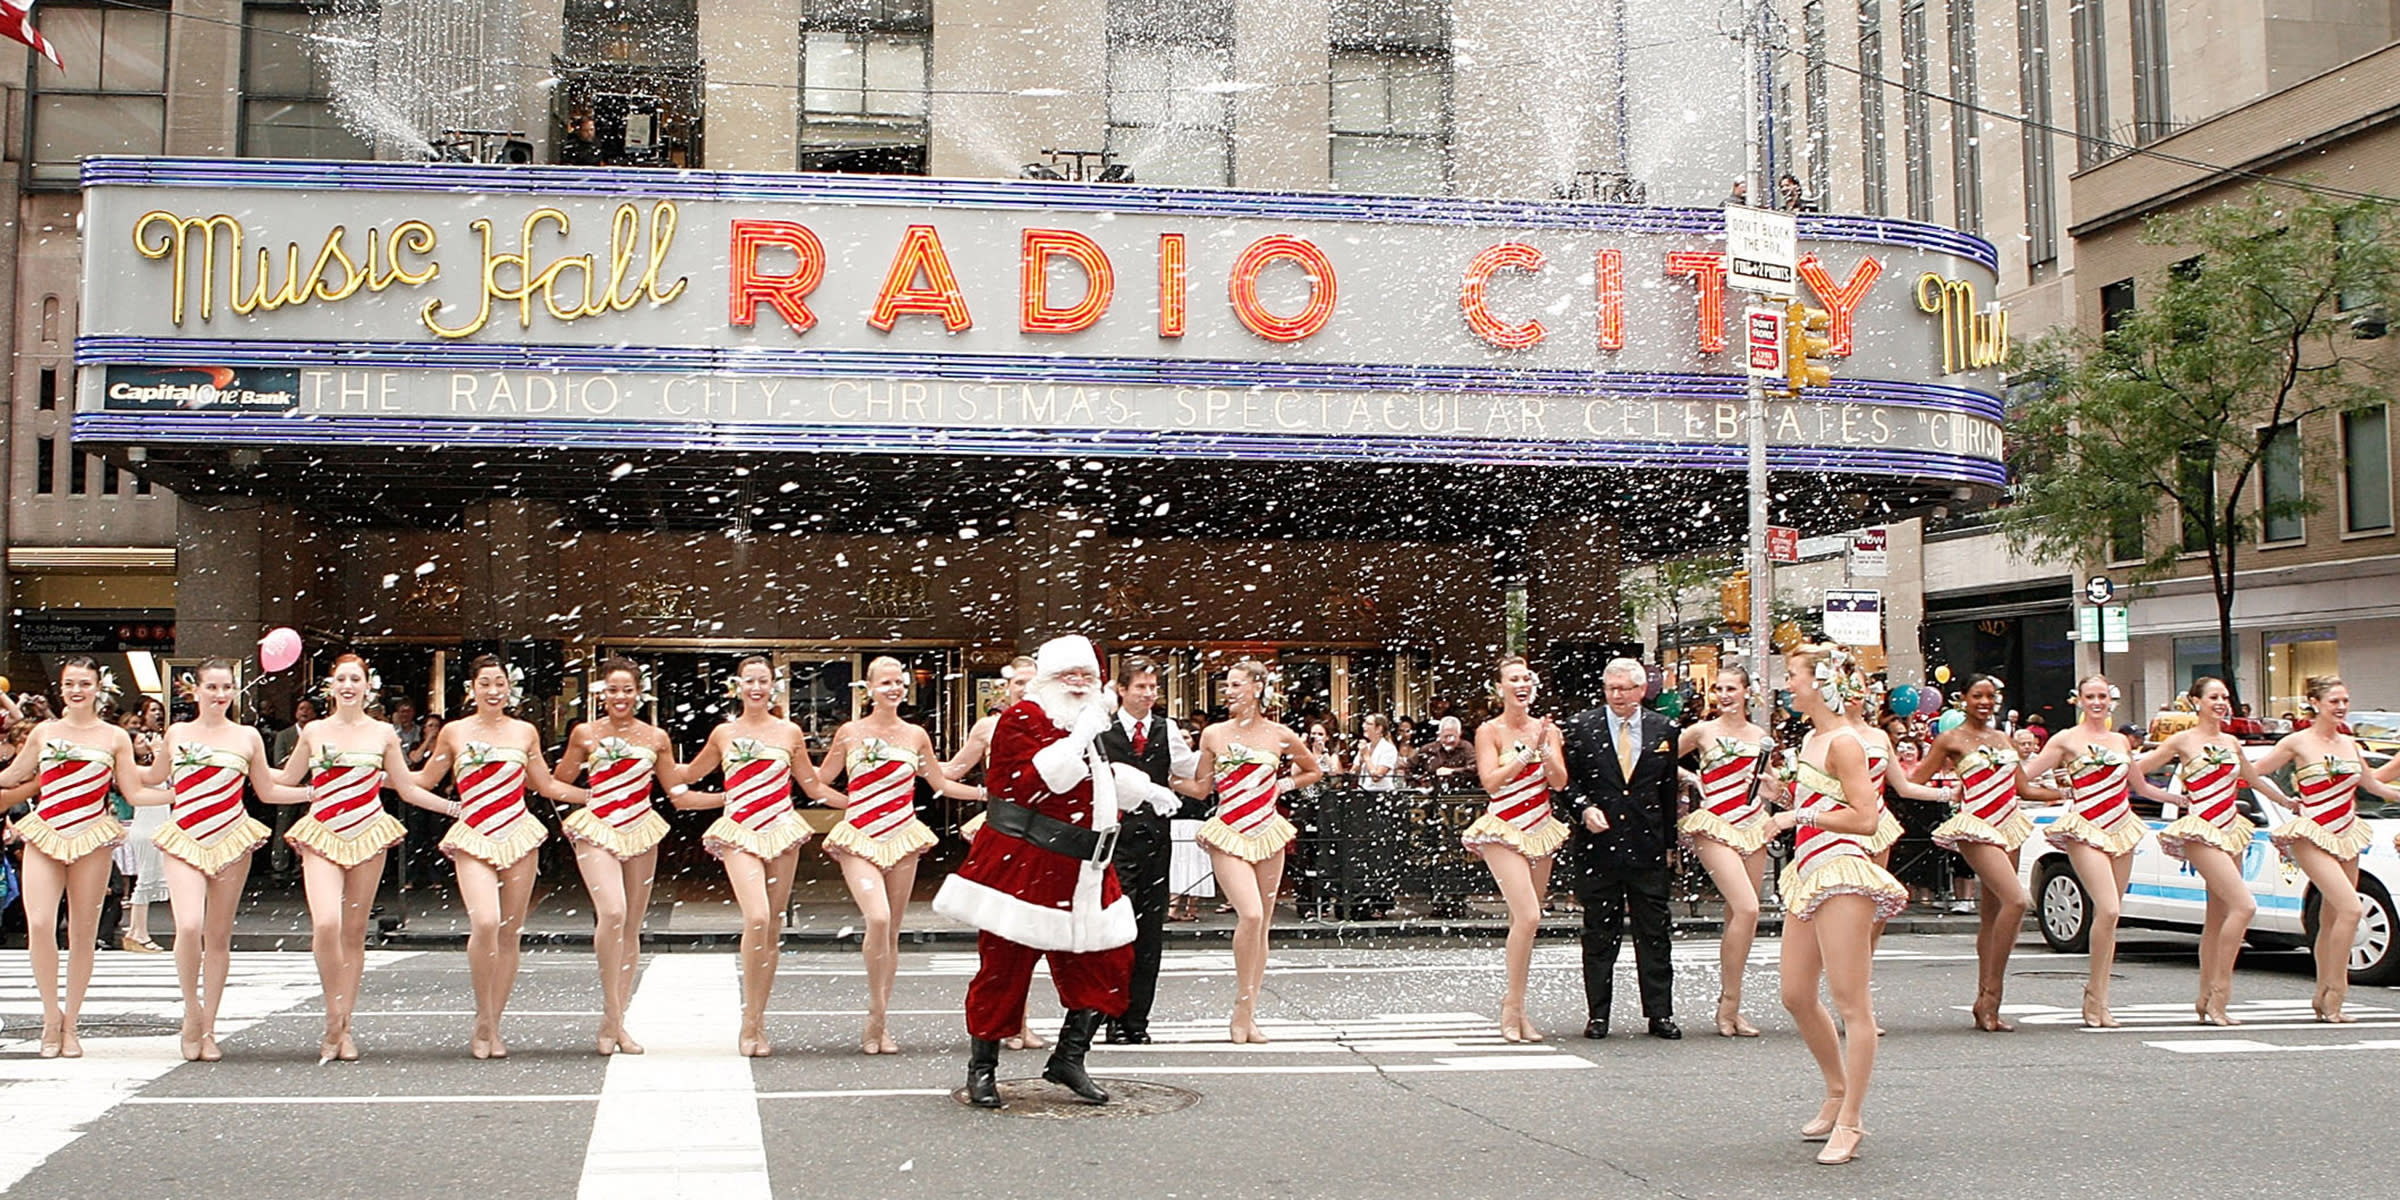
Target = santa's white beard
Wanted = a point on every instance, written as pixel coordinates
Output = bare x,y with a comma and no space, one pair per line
1062,704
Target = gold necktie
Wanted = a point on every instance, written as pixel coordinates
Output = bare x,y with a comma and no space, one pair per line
1624,751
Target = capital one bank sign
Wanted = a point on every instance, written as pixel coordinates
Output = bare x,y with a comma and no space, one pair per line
239,301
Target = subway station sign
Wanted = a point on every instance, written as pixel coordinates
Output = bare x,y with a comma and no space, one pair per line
250,302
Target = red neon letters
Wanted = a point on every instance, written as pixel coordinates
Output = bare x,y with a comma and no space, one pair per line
921,253
1706,270
1034,310
1244,288
1507,256
1841,303
788,293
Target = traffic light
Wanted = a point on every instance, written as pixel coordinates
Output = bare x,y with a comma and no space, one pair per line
1733,601
1807,347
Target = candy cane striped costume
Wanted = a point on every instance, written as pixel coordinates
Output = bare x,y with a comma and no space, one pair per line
346,822
2328,794
1826,863
1887,826
759,819
493,823
1987,805
1730,808
880,824
619,819
1246,824
70,816
2209,779
1519,815
207,827
2100,803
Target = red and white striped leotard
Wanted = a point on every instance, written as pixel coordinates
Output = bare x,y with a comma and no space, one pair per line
346,821
759,818
1827,863
493,823
1246,824
2210,780
620,818
70,816
207,826
1731,810
2328,794
2100,803
880,822
1519,814
1987,803
1879,770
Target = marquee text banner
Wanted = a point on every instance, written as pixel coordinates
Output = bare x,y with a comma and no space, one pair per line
530,299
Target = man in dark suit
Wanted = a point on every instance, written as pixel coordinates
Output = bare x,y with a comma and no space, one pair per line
1145,751
1620,798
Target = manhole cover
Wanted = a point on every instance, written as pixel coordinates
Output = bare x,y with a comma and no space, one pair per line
1048,1101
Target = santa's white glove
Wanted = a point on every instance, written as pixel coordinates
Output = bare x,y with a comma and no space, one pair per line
1133,787
1097,717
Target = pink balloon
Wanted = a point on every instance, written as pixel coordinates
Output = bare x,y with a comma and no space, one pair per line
1929,700
279,649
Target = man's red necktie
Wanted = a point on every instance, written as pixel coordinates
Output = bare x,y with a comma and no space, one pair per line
1141,738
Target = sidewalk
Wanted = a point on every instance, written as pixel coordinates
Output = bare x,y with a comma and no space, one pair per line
699,913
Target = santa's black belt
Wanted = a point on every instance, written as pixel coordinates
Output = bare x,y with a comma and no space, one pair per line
1050,833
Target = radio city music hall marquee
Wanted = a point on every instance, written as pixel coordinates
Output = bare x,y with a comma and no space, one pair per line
248,302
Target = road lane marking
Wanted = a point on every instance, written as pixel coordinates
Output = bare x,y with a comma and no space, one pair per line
46,1104
2241,1046
682,1120
307,1101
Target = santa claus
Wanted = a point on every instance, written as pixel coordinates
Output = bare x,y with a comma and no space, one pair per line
1038,880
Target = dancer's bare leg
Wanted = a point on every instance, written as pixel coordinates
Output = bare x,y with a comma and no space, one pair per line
2000,910
2104,877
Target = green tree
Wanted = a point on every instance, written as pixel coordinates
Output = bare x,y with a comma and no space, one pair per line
2172,410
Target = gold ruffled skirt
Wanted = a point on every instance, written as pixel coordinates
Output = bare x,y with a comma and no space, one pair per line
1269,840
2344,846
377,836
103,833
2112,842
1541,841
1748,837
1845,875
2233,839
1967,827
629,841
1887,832
521,837
727,836
913,838
233,844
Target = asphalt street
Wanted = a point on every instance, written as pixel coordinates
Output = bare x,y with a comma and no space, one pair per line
1386,1078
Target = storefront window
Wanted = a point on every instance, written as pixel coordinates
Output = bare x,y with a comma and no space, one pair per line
2198,656
2292,657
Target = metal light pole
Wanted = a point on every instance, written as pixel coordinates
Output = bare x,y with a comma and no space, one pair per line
1762,582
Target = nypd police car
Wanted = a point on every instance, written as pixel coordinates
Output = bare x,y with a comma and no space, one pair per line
2165,893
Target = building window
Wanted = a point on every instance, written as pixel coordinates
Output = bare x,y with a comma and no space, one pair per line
108,478
2201,657
78,471
864,72
45,466
2355,228
1391,97
1170,116
1916,118
1876,180
629,87
2281,499
2125,540
2293,656
111,96
2088,27
1816,78
287,110
2153,116
2196,488
2041,171
1966,119
47,398
2366,471
2116,304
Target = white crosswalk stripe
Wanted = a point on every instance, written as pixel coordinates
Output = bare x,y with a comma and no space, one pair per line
45,1104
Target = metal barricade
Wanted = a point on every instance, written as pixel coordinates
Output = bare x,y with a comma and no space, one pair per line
1361,850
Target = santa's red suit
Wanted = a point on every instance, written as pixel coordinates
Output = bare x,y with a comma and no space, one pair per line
1032,902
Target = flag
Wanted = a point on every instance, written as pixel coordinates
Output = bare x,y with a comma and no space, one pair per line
16,24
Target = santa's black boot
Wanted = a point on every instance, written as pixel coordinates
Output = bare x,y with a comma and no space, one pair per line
1066,1059
983,1070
